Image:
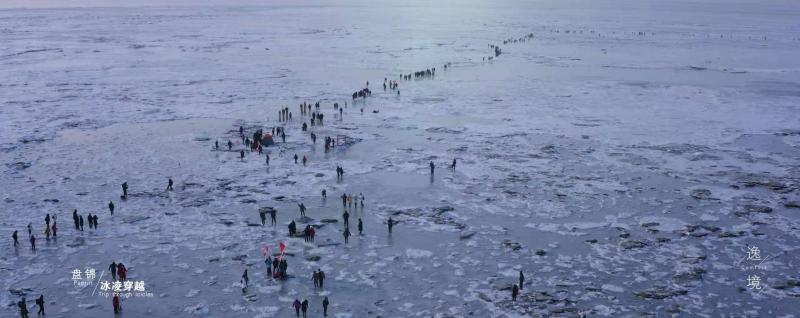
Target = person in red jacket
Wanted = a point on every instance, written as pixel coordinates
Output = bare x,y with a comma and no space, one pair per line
121,272
115,302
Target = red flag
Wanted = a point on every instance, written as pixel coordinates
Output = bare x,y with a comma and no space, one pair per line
283,247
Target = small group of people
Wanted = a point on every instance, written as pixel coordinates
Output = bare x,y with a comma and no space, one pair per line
316,118
78,220
339,172
431,72
279,267
305,108
23,306
118,271
349,200
319,278
92,221
393,85
284,114
48,228
263,214
309,233
305,159
362,93
31,236
302,306
329,143
346,233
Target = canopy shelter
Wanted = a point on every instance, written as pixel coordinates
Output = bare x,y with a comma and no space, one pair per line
266,140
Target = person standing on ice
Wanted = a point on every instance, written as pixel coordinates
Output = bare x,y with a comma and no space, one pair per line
80,222
346,218
302,209
216,144
111,207
432,167
116,304
122,272
169,184
40,303
454,164
263,216
296,305
76,219
390,223
284,266
344,200
324,194
241,154
305,160
33,242
315,278
304,307
272,213
268,159
325,303
241,131
514,292
113,269
23,308
245,279
295,158
90,219
346,235
125,190
521,279
16,238
230,145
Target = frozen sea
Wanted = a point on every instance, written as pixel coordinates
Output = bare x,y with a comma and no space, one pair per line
627,156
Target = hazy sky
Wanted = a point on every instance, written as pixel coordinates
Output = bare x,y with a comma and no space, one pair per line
134,3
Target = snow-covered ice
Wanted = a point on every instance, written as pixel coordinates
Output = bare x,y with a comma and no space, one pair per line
625,156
